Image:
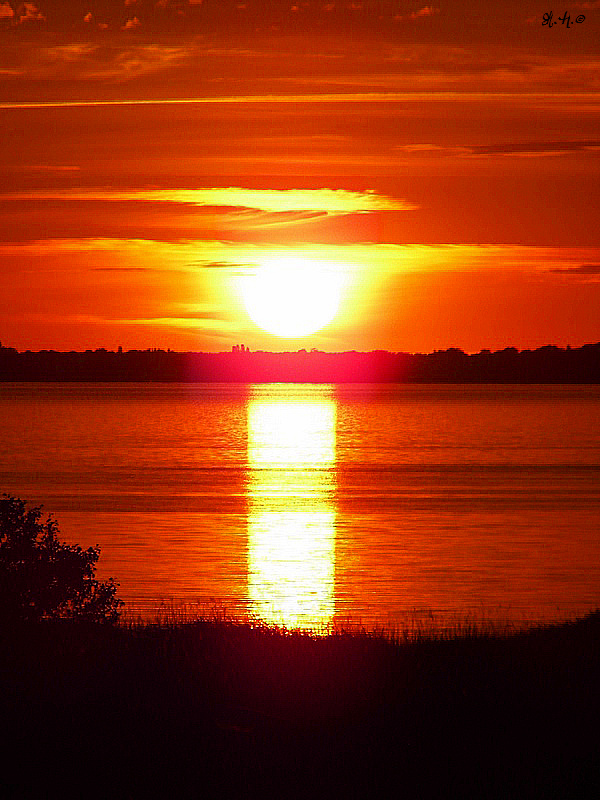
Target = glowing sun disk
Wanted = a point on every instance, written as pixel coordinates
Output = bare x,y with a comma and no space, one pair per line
292,297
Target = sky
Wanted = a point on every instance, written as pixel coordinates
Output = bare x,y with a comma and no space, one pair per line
441,161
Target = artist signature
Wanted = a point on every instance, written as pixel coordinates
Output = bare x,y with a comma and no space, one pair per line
565,19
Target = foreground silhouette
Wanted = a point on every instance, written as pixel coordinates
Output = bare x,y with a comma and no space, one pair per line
220,708
43,578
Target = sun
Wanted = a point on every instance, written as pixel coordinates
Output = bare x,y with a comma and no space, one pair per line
292,297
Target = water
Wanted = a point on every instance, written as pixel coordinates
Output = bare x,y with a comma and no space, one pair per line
307,504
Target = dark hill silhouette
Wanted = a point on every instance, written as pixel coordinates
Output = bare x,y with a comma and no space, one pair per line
549,364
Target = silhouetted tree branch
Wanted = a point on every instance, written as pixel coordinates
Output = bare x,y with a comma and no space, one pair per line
43,578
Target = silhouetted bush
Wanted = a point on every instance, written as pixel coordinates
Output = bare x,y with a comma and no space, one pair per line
43,578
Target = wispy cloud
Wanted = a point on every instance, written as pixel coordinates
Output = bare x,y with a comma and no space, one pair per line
43,168
132,269
27,13
331,201
205,264
536,148
92,61
421,13
528,149
210,321
384,258
582,269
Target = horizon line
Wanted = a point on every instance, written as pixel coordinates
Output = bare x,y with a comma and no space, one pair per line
311,351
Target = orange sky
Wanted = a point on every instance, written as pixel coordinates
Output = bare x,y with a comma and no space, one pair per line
445,159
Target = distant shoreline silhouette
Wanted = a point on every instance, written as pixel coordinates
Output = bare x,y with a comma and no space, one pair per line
548,364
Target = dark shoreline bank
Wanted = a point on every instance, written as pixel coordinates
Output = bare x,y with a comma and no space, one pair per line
547,364
216,708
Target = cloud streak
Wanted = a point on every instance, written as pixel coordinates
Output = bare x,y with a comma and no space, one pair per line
413,98
520,149
583,269
133,269
387,258
330,201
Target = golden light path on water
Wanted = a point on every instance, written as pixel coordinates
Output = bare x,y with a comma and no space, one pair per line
291,519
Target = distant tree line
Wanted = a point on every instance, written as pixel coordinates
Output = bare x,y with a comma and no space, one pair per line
549,364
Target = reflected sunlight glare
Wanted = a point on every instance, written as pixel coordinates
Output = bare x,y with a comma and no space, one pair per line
291,519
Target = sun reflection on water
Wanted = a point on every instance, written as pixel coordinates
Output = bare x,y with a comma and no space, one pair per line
291,520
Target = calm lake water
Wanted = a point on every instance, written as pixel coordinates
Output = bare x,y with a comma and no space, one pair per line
306,504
